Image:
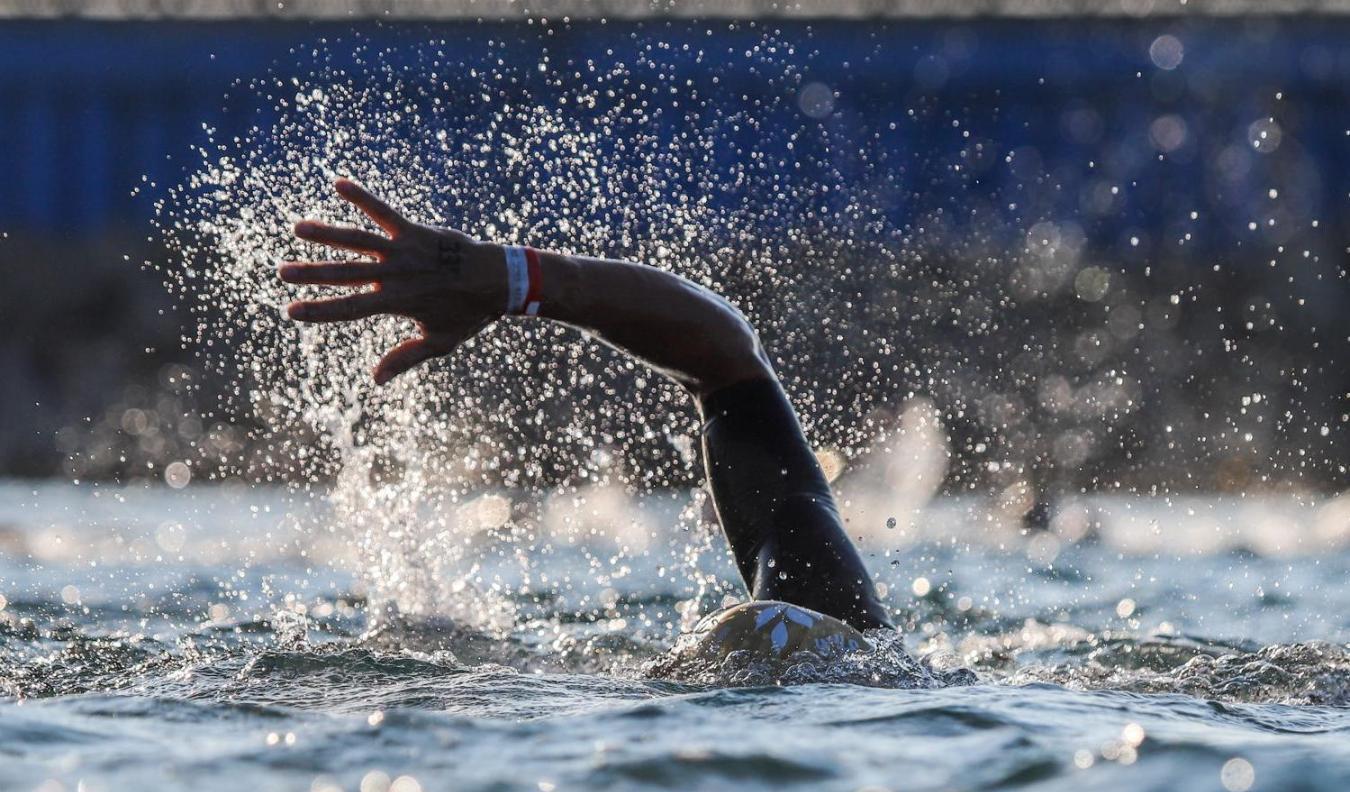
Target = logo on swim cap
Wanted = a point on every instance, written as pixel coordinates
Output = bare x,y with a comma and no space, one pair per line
777,618
776,629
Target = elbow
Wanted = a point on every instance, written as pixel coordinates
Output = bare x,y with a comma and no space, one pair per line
738,357
747,353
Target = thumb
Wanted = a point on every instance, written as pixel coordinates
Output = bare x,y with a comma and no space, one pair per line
406,355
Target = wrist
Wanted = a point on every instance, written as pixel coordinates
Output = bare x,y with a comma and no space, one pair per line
524,270
487,281
550,288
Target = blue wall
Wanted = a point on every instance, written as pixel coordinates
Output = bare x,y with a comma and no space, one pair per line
87,108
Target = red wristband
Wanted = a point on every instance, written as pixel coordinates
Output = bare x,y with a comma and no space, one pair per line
535,292
524,280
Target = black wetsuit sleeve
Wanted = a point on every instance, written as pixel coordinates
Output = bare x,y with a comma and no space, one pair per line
775,506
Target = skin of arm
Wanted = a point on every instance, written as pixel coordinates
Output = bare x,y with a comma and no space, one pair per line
452,286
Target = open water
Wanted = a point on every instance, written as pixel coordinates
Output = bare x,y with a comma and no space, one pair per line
217,637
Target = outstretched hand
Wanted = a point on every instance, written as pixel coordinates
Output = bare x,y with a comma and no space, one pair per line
451,285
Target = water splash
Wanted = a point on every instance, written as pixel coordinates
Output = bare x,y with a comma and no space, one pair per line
619,160
463,482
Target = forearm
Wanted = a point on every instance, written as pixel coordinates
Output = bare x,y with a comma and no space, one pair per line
678,327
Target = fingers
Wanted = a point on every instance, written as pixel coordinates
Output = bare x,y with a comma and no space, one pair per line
407,355
357,239
376,209
335,273
340,309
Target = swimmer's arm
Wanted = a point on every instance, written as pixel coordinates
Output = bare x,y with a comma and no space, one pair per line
681,329
772,498
453,286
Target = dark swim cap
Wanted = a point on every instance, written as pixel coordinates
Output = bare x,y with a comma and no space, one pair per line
772,629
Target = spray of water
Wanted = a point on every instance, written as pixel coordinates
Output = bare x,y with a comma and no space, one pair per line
621,160
904,327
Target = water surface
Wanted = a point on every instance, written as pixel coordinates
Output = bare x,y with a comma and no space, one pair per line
211,637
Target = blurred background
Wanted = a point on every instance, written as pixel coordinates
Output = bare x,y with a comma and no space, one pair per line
1170,177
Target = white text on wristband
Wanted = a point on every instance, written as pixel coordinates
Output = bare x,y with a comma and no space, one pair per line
517,278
